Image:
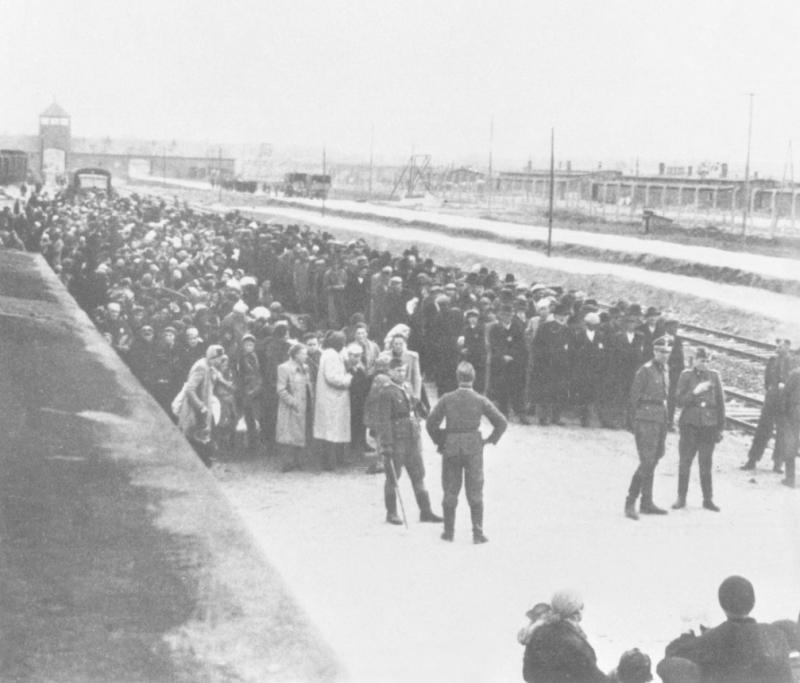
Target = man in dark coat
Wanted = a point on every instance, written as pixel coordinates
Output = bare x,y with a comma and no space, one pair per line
588,360
626,357
740,650
776,375
473,347
507,362
551,366
701,423
249,384
356,292
167,381
648,421
652,328
461,445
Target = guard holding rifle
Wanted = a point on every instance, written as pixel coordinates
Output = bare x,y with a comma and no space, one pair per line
461,446
400,445
701,423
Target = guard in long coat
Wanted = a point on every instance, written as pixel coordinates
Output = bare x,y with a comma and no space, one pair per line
332,402
461,445
400,444
648,420
295,403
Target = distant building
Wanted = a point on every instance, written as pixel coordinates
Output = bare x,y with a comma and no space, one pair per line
54,153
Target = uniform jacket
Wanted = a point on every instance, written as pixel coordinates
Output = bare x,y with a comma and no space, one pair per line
462,410
413,374
397,425
738,651
332,402
706,409
371,406
294,393
648,398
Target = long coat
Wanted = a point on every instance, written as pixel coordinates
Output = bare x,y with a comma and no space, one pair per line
332,405
550,374
557,653
294,394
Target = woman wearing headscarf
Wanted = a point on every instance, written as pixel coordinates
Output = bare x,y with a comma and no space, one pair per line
557,651
195,406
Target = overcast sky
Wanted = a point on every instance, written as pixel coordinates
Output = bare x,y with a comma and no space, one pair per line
619,80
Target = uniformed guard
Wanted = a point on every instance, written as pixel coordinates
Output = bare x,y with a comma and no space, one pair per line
461,446
400,445
648,421
701,423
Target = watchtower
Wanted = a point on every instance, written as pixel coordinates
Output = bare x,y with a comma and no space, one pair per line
54,137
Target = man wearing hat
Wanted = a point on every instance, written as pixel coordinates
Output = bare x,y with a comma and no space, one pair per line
461,445
166,377
740,650
626,357
550,371
702,420
473,347
588,361
400,445
249,385
652,328
648,420
507,361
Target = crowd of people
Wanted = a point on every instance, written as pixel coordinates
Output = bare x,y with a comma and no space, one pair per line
739,650
210,312
320,347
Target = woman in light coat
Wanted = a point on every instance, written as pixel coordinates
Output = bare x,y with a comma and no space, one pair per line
332,405
295,401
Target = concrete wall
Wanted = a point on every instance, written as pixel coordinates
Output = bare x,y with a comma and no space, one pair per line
120,560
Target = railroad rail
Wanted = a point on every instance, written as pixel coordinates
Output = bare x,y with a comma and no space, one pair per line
742,410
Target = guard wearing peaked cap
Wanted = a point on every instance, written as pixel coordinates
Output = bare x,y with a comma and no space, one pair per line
461,446
702,420
648,421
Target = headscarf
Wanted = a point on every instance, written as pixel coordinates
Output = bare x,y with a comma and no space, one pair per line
566,605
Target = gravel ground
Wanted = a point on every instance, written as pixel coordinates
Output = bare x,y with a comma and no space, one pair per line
403,605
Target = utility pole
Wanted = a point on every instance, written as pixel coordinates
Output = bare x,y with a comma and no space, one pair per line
491,146
371,145
746,207
164,165
552,187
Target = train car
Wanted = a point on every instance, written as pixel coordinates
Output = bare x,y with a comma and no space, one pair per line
91,179
13,166
296,185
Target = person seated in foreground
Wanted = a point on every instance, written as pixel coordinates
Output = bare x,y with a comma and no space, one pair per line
557,651
740,650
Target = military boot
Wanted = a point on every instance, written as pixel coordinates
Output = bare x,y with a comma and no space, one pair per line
449,524
476,512
630,509
391,509
425,512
